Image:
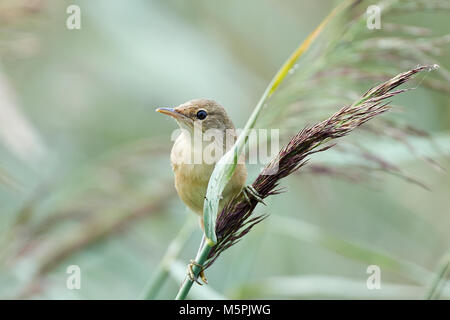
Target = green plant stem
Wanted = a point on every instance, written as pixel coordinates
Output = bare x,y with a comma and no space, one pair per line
202,255
439,281
161,274
177,273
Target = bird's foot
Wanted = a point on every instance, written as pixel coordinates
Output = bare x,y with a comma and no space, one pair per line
191,274
250,192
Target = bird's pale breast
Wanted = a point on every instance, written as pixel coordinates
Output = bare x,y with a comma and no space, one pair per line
191,180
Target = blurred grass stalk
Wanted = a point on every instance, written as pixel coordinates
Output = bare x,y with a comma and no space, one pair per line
162,271
440,281
224,169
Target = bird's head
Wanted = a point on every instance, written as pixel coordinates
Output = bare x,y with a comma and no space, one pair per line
208,113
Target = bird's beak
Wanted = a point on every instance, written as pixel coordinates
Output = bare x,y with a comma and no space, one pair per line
170,112
182,120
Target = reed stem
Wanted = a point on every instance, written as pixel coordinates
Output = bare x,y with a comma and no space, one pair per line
200,260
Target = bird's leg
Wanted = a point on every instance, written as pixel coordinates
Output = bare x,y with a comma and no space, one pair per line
250,192
191,275
192,263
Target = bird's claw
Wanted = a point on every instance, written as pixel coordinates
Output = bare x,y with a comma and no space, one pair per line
191,274
250,192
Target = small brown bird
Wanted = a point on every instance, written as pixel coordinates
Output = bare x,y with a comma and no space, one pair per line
192,165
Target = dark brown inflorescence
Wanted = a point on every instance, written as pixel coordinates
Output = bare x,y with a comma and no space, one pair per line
236,219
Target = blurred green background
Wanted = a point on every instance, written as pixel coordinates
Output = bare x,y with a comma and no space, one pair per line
85,177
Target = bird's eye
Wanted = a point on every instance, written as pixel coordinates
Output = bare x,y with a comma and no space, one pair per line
201,114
